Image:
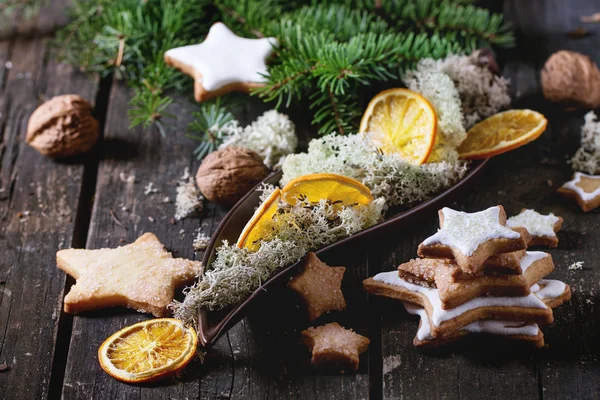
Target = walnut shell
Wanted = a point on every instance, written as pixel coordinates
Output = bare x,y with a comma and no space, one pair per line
228,174
572,79
63,126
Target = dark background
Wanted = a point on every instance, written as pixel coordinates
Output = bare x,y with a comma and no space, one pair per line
51,354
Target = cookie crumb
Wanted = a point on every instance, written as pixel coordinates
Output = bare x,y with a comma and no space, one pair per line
201,241
150,219
189,199
577,265
549,182
4,367
150,189
126,178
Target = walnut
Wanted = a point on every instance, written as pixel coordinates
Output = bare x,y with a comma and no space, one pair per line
63,126
228,174
572,79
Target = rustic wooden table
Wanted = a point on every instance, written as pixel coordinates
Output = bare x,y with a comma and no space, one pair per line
47,205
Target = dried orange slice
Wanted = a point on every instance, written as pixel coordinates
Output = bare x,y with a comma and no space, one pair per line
502,132
340,190
255,229
401,121
148,351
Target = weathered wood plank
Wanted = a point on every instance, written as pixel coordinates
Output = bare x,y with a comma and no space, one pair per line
151,159
569,367
38,205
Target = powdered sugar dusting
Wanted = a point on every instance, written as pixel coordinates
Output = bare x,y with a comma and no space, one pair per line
466,231
537,224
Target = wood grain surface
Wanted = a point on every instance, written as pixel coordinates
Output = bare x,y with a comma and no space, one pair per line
86,202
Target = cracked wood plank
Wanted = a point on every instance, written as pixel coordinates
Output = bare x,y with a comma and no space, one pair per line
151,159
569,367
38,206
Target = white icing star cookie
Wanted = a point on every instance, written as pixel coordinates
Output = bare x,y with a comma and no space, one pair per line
542,228
224,62
584,189
533,308
471,238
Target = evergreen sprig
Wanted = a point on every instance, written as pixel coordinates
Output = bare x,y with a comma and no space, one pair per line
329,52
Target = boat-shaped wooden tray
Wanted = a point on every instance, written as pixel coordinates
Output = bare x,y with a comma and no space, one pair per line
213,323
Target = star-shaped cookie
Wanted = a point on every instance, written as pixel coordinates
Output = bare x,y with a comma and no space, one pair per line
141,275
319,286
224,62
471,238
542,228
332,345
584,189
455,289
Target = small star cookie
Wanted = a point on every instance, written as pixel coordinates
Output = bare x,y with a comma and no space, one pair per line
332,345
141,275
542,228
471,238
585,189
319,286
224,62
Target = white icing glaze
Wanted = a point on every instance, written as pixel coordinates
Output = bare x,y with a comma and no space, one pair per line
536,223
225,58
440,315
551,289
483,326
466,231
572,185
531,257
534,288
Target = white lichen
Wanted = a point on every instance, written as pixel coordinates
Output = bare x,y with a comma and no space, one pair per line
481,92
587,157
201,241
386,175
189,199
272,136
236,273
438,88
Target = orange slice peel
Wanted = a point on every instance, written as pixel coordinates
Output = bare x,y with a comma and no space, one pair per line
401,121
502,132
255,229
339,190
148,351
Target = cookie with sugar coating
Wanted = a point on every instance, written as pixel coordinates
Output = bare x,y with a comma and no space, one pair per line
472,238
141,275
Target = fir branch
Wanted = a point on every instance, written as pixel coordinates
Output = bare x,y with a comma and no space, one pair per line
207,127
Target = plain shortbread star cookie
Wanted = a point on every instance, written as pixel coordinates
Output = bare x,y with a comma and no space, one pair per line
224,62
141,275
332,345
319,286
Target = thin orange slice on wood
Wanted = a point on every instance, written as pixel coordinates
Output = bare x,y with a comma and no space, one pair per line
148,351
255,229
401,121
502,132
339,190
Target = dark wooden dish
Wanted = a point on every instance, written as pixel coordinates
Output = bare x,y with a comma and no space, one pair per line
213,323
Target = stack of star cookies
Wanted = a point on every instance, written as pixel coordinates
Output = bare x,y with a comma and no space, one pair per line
476,275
